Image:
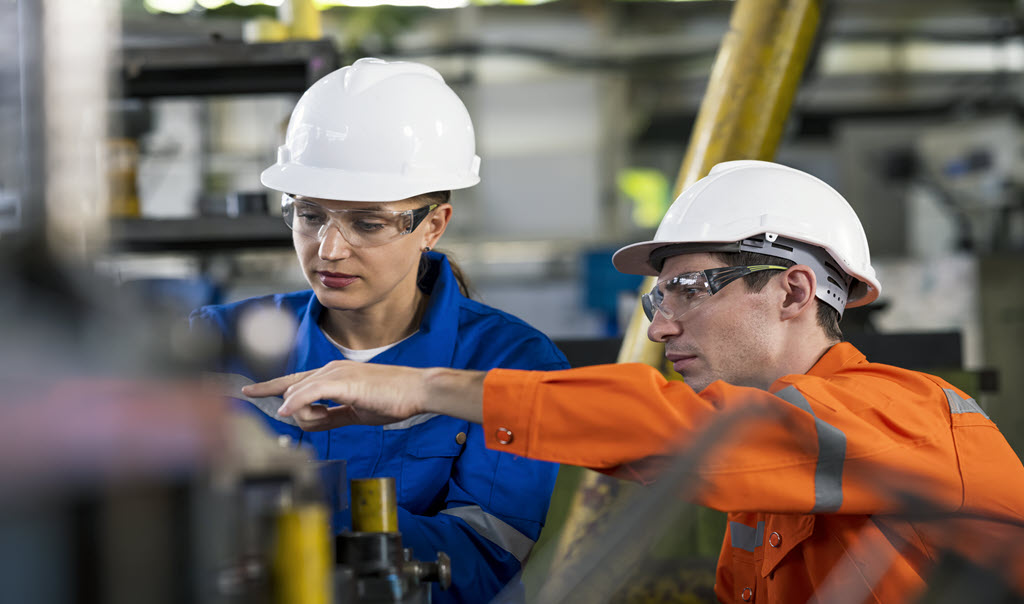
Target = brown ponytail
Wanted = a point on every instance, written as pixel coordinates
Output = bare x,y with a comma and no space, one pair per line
460,277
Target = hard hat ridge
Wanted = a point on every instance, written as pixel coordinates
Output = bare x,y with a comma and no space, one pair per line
369,71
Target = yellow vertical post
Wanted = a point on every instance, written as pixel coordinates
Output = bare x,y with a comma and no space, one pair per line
750,91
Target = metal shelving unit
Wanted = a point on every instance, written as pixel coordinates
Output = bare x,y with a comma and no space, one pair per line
225,67
208,233
213,68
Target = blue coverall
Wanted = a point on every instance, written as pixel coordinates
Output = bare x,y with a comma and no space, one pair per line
483,508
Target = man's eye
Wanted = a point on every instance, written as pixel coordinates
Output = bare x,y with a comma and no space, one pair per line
682,290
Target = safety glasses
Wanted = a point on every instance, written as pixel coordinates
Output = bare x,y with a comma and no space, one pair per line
675,296
361,228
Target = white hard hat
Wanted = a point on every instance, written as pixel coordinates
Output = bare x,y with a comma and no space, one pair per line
376,131
752,204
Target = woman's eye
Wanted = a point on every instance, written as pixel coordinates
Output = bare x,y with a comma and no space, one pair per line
369,226
311,218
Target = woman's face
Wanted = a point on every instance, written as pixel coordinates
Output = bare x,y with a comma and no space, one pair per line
350,277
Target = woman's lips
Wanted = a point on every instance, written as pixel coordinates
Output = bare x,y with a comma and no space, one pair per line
335,280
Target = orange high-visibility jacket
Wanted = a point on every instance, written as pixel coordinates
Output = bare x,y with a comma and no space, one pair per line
840,487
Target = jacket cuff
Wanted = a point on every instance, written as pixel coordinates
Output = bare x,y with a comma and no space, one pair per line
508,409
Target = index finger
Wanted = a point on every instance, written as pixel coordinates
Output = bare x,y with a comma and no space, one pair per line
276,386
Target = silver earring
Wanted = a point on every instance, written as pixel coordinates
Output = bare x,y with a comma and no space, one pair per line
426,248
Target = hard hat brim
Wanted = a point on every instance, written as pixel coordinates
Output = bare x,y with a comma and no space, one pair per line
635,259
342,185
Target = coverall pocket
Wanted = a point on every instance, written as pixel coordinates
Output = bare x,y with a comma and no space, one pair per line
426,470
782,534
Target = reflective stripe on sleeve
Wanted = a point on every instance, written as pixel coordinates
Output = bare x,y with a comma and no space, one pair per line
959,404
746,537
828,476
230,384
495,530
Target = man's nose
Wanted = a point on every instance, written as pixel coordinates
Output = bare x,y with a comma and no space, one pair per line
661,329
333,245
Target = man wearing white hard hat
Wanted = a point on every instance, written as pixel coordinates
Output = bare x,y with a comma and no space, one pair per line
756,264
371,155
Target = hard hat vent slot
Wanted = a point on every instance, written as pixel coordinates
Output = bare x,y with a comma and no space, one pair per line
782,247
836,271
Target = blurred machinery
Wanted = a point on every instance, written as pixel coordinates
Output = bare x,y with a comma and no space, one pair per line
283,549
149,491
976,170
373,567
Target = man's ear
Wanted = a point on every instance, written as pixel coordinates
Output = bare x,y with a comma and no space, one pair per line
798,284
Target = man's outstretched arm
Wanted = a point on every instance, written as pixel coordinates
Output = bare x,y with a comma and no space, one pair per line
374,394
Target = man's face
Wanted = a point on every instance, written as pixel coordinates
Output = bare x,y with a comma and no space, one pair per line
731,336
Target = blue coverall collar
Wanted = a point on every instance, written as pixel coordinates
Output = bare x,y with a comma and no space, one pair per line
312,349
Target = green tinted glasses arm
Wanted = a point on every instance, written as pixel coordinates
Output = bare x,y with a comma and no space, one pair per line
419,214
720,277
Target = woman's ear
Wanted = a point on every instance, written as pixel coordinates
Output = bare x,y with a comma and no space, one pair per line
435,225
798,284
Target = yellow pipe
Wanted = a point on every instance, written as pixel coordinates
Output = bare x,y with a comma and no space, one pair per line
750,91
752,85
751,88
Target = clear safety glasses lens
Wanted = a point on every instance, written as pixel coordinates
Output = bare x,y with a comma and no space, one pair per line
676,296
361,228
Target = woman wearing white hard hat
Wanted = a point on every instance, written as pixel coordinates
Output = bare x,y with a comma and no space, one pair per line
372,153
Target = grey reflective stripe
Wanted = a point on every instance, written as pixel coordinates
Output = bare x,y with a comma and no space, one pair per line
746,537
494,530
959,404
828,476
410,421
230,384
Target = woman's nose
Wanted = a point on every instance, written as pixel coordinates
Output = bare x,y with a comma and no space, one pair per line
333,244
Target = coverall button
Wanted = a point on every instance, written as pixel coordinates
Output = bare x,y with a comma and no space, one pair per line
775,540
503,436
747,594
460,438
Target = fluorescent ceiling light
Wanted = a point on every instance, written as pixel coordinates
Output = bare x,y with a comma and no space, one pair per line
215,4
365,3
177,7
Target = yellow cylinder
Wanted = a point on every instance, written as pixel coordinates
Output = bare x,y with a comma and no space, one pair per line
303,558
374,505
